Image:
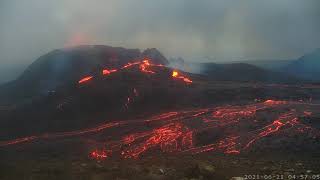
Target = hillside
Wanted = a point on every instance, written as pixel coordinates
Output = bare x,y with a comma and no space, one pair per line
65,66
266,64
244,72
307,67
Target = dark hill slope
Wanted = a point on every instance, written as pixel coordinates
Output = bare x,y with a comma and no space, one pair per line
307,67
64,66
245,72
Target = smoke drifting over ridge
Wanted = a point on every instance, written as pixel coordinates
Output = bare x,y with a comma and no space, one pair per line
218,29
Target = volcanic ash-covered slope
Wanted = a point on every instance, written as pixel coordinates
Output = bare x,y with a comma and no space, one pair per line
67,65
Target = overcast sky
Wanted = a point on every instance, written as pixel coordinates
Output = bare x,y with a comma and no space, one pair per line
220,29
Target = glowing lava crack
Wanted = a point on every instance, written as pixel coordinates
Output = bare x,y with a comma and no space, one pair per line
144,67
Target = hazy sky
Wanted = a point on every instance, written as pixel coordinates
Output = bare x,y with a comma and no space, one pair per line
220,29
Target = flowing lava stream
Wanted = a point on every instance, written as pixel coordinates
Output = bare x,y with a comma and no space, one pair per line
179,132
86,79
144,67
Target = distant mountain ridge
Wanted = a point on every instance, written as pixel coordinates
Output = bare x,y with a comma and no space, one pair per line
303,69
245,72
266,64
234,72
307,67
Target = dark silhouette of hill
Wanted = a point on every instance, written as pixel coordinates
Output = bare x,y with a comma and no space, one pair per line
307,67
65,66
237,71
271,64
245,72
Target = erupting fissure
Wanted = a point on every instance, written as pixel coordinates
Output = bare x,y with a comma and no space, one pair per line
85,79
144,66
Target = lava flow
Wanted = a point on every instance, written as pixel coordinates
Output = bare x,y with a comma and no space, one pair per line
144,67
167,137
175,74
107,72
230,129
85,79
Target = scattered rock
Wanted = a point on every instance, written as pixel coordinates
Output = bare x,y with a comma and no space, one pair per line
309,171
161,170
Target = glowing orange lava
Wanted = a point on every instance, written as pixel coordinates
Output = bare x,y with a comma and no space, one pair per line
274,102
85,79
107,72
175,74
166,137
144,66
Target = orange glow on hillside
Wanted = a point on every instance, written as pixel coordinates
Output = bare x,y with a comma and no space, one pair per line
107,72
144,67
175,74
85,79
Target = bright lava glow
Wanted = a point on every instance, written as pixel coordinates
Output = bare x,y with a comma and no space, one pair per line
85,79
107,72
144,67
175,74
